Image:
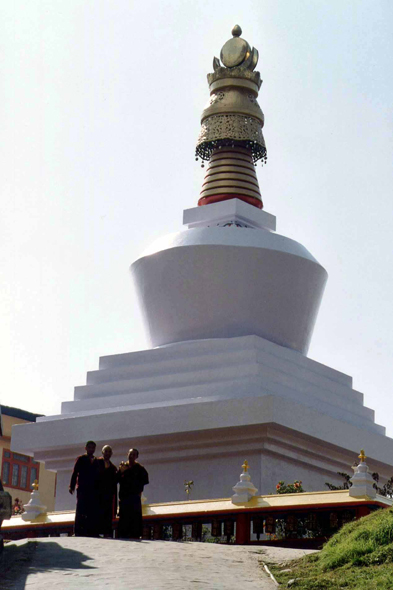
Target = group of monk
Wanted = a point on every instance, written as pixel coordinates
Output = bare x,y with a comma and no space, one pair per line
95,480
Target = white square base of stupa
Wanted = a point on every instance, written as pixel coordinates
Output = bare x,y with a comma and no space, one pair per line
197,409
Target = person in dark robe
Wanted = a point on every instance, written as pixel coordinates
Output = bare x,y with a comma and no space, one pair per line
132,477
85,479
107,492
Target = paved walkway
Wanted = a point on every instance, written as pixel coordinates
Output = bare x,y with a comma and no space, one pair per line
73,563
282,555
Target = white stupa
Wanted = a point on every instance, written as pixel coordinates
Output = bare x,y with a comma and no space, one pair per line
230,307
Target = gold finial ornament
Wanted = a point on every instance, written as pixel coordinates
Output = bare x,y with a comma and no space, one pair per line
235,52
245,466
34,485
231,135
362,456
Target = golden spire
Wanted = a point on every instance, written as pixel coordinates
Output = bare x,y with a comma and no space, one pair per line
362,456
245,466
35,485
231,136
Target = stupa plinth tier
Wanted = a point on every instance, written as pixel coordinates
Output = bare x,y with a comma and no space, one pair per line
229,306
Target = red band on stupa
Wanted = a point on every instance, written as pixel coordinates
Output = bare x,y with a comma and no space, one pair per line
225,197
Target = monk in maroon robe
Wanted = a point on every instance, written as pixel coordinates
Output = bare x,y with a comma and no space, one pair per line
132,477
85,479
107,492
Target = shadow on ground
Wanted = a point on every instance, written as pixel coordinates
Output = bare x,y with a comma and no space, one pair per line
18,561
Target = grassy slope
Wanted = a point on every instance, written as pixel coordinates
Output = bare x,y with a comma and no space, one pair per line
358,557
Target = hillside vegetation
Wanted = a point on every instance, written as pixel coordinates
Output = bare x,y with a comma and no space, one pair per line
358,557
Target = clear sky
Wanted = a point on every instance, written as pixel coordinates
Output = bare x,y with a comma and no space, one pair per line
101,103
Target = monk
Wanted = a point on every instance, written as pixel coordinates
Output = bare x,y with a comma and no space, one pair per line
85,479
132,477
107,492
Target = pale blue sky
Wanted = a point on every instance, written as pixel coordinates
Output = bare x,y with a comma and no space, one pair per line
101,102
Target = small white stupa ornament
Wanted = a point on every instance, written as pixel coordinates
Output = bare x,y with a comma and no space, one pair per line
362,481
34,507
244,489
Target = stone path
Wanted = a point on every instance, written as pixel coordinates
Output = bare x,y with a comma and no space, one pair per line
282,554
78,563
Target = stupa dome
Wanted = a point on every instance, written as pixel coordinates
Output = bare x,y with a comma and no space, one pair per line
228,274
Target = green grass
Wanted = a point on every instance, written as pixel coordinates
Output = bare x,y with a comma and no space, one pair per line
358,557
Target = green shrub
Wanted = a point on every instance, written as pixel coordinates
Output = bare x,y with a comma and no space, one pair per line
290,488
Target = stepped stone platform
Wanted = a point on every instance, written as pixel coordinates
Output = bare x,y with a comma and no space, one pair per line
74,563
196,409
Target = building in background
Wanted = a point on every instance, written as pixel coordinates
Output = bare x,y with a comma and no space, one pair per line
19,471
